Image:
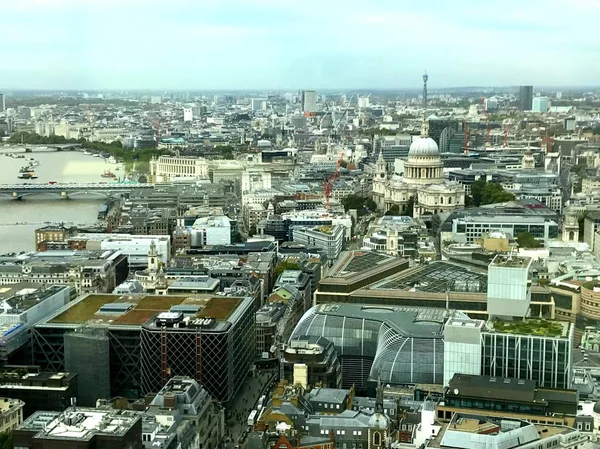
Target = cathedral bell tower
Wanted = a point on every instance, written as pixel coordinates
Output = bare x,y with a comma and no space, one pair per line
153,258
381,167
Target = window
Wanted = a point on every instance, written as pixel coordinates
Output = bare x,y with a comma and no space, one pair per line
376,439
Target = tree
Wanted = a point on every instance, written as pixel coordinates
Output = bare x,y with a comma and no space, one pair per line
142,167
359,203
527,240
252,230
394,210
286,264
6,440
410,206
483,193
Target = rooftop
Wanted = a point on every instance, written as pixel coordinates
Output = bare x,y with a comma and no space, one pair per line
543,328
437,277
511,261
139,308
10,404
81,423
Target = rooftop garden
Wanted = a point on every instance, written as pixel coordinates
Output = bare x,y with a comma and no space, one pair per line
219,308
324,229
84,310
543,328
590,285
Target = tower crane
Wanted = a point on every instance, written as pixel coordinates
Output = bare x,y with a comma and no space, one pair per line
328,187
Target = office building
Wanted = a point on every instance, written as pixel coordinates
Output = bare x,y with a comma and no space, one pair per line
267,320
135,247
188,114
23,305
52,233
508,397
441,130
38,390
189,403
469,228
328,238
2,103
540,104
81,428
312,361
472,431
507,290
309,102
216,329
258,104
462,347
299,280
397,345
87,271
525,98
11,414
214,230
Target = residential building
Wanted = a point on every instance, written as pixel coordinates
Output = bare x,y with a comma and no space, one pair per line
81,428
540,104
309,102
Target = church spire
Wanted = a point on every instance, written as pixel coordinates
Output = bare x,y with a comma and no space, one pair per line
379,398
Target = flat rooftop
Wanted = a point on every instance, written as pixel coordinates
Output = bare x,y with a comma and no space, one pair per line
511,261
125,310
355,262
82,423
437,277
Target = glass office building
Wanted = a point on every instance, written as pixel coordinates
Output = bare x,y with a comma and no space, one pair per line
397,345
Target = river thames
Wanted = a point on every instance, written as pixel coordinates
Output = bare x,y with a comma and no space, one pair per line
60,167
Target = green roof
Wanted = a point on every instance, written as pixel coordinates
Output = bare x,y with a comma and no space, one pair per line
544,328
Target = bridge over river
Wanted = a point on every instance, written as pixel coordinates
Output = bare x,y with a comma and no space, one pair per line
65,191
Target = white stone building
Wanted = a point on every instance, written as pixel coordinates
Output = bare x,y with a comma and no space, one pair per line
164,168
422,180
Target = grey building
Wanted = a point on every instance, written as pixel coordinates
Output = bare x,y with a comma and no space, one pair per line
525,98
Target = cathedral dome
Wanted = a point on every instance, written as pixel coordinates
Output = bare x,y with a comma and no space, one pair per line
423,146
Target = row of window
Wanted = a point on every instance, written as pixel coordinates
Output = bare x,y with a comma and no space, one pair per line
342,432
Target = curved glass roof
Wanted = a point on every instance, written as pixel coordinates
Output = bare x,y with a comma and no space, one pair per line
405,343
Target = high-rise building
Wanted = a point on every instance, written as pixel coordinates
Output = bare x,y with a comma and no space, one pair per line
425,78
540,104
188,114
525,98
2,103
309,101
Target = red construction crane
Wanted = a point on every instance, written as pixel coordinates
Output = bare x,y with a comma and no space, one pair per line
328,186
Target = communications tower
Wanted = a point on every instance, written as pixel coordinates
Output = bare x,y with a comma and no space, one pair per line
425,78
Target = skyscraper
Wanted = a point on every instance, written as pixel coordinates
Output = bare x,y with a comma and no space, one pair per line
2,103
425,78
525,97
309,102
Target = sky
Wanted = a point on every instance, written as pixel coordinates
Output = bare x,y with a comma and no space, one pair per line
295,44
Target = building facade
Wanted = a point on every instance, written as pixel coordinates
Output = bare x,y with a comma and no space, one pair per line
165,168
421,182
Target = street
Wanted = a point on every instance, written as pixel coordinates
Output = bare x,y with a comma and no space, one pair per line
239,409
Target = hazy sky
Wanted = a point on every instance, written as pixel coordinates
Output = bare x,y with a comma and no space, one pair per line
290,44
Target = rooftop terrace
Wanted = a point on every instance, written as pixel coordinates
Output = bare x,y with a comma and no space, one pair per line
543,328
136,310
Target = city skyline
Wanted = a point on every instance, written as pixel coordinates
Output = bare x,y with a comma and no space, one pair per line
268,44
